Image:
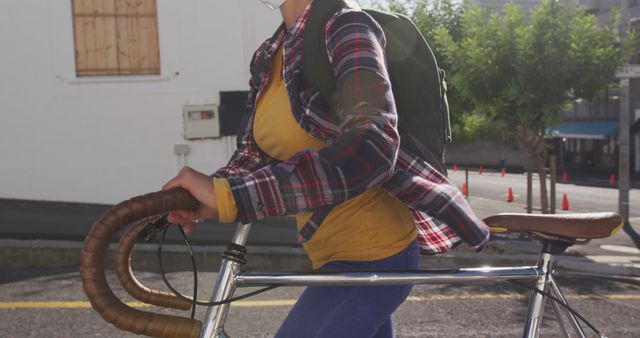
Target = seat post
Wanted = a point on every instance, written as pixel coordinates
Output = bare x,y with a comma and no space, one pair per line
537,300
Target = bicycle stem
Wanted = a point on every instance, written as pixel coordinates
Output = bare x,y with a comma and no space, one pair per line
232,260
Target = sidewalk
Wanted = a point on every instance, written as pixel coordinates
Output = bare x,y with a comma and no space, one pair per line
50,234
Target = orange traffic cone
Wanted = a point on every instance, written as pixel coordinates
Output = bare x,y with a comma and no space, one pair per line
464,190
612,179
510,195
565,202
481,170
455,168
503,171
565,176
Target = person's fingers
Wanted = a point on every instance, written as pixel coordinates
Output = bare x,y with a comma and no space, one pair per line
174,218
175,182
182,217
201,187
189,227
187,214
178,220
206,212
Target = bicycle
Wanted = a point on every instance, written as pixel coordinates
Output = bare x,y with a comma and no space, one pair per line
556,232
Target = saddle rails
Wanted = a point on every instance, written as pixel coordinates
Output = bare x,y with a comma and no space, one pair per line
556,232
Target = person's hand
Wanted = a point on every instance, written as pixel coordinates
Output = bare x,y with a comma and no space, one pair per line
201,187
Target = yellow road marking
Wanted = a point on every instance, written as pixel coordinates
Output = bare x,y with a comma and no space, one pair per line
465,297
511,296
624,296
57,305
289,302
261,303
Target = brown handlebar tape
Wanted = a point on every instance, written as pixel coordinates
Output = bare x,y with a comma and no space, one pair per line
130,283
92,265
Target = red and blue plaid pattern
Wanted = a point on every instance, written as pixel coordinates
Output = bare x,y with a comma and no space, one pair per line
362,148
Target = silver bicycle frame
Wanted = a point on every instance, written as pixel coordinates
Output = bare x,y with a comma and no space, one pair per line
230,277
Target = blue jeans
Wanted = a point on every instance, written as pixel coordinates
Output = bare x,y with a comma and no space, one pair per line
351,311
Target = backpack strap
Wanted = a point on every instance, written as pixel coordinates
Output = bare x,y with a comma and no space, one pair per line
444,107
316,67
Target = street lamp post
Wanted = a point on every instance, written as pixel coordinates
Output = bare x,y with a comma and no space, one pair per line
625,74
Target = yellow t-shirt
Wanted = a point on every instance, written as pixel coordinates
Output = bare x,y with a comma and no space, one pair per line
370,226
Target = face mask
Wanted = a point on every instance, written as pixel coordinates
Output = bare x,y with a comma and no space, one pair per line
273,4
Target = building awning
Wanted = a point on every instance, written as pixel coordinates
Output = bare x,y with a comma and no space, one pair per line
596,130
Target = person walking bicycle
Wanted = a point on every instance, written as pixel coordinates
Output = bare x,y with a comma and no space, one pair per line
362,201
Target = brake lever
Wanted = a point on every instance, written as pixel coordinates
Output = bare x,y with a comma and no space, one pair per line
151,230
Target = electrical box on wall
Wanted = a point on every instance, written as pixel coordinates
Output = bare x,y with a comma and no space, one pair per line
201,121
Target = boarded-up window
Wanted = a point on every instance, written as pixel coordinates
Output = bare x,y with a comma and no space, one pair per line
116,37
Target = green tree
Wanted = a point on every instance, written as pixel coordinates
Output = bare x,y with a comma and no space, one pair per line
431,16
525,72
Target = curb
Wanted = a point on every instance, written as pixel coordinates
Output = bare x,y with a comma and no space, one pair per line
66,254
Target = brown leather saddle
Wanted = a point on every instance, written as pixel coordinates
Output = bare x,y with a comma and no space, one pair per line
574,227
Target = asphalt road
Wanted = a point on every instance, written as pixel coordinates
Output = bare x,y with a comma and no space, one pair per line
50,303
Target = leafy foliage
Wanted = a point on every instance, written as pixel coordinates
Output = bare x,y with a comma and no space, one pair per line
525,72
515,72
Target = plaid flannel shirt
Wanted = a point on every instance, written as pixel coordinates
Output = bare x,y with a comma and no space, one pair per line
362,148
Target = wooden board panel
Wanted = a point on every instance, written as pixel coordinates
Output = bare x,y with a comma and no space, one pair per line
153,37
142,29
125,35
94,30
111,40
78,35
116,37
133,40
122,27
99,38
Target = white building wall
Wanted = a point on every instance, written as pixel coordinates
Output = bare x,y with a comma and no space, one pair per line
102,140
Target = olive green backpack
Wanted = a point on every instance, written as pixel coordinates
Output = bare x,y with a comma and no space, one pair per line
418,84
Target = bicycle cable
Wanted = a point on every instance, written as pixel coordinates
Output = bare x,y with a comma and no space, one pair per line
559,301
195,301
193,266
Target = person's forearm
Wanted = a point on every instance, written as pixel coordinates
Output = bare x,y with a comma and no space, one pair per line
362,155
